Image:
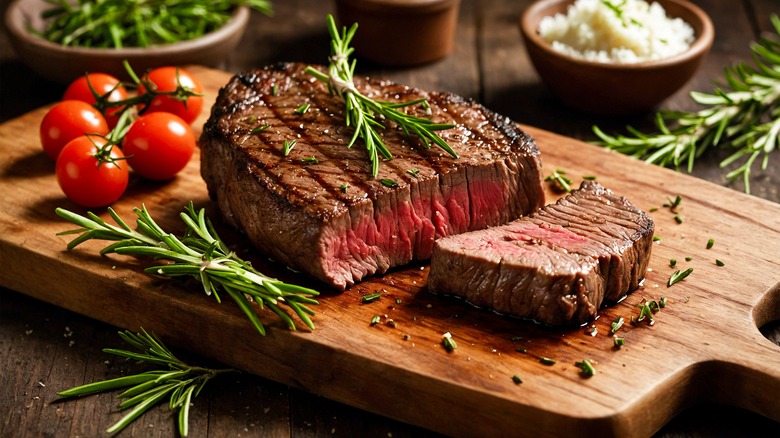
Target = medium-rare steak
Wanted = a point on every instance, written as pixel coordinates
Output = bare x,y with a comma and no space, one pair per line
555,266
319,209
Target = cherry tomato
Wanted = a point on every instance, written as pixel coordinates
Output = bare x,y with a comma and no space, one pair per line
84,181
103,84
67,120
168,79
159,145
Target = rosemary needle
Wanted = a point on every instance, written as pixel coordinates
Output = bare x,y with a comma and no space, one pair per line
362,112
200,254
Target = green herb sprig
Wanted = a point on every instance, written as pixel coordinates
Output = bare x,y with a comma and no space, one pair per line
120,23
177,381
742,115
200,254
363,113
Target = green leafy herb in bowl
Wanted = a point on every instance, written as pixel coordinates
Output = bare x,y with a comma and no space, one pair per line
144,23
60,39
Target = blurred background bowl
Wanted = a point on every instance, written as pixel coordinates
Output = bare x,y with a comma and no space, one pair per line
63,64
401,32
615,89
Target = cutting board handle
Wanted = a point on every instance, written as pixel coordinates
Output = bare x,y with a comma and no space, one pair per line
752,371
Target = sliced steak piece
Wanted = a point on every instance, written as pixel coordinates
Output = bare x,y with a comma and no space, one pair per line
555,266
331,218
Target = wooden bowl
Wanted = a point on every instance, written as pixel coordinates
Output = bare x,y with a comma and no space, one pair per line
63,64
401,32
615,89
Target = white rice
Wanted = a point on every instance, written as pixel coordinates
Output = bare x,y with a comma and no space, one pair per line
594,31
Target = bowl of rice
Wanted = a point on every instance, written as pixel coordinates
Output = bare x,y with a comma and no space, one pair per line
615,57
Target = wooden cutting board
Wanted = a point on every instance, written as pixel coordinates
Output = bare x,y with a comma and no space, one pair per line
704,344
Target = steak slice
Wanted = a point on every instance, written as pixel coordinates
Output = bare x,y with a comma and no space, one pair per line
331,218
555,266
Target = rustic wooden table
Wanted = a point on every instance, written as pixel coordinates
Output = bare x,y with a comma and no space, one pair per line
39,343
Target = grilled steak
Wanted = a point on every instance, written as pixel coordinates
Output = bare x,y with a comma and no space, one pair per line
555,266
331,218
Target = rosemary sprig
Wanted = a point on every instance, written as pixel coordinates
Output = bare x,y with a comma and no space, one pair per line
200,254
177,381
364,113
745,118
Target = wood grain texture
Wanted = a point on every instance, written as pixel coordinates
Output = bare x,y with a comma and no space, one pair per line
708,329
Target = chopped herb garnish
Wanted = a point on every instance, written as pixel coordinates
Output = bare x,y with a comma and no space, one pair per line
261,128
398,301
371,297
617,323
517,338
559,180
710,243
719,262
662,302
448,342
688,259
274,90
619,342
645,312
672,262
679,219
654,209
388,182
287,146
521,350
375,320
312,160
589,177
547,361
302,109
679,276
586,367
656,238
344,188
517,379
654,306
413,172
392,324
252,119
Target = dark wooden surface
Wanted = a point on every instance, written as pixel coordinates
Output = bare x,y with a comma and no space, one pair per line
44,349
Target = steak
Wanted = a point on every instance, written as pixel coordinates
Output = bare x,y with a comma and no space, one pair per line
327,215
556,266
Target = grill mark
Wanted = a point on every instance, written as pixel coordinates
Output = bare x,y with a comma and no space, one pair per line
486,147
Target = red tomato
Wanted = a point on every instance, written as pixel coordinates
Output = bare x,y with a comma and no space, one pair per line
86,182
67,120
104,85
159,145
168,79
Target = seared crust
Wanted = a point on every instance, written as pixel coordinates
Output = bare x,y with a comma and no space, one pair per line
332,219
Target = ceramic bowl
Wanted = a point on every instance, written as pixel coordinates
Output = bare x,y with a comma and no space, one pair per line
62,64
615,89
401,32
